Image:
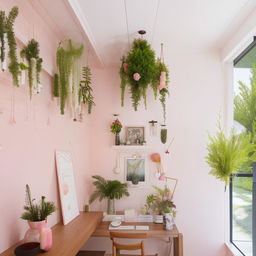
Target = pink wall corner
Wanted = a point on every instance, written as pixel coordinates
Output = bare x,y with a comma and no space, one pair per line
28,146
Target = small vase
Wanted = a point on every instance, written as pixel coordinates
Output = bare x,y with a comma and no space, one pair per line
117,139
111,206
168,221
38,232
163,134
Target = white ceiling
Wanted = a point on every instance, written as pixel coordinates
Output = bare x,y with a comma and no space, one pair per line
182,25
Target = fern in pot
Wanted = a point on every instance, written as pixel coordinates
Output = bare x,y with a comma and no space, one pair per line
36,215
110,189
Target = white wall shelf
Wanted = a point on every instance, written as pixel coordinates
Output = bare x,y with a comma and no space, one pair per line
131,147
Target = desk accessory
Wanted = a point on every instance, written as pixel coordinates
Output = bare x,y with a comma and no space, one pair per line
27,249
122,227
115,223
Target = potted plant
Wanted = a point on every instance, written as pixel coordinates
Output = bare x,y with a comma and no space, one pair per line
36,215
110,189
160,203
228,153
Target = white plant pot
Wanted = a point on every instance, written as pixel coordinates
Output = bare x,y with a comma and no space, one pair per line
159,219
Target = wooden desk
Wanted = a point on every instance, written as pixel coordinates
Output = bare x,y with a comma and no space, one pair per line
67,240
155,231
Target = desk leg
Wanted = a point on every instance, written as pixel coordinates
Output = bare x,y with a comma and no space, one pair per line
178,245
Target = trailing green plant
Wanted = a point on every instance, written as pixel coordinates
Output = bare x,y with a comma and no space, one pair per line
31,54
85,90
156,85
227,154
13,65
2,31
111,189
34,211
138,70
56,85
67,64
245,103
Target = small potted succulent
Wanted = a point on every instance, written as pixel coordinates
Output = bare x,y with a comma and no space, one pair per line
116,128
36,215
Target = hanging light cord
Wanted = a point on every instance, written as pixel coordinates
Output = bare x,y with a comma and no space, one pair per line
127,27
162,53
154,26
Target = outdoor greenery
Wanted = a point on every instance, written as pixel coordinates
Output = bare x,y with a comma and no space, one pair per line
227,154
31,54
245,104
36,212
111,189
85,90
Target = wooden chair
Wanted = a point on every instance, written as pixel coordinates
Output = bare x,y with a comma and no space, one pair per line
117,247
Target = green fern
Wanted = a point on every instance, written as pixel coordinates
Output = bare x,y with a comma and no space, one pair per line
56,92
227,154
85,90
112,189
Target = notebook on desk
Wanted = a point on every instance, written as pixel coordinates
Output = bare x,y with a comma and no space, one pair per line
124,227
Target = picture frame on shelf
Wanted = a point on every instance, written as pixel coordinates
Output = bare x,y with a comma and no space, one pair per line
135,135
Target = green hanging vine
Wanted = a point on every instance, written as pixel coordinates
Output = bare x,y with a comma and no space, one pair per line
31,53
56,86
2,31
85,91
67,55
6,27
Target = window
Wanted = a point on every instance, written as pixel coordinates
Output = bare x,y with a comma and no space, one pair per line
242,187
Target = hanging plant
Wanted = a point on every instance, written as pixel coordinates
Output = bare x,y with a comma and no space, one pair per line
7,35
85,90
162,80
68,64
56,86
138,71
2,37
31,54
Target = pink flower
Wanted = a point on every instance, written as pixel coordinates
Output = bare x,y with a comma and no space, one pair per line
136,76
125,66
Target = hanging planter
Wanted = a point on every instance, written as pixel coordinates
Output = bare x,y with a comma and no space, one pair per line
138,71
69,66
31,54
85,90
8,45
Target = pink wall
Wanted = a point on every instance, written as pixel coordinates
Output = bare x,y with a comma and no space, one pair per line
197,97
27,154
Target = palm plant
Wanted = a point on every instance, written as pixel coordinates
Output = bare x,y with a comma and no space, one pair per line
110,189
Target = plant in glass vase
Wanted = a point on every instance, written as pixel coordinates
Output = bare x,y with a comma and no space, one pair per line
110,189
116,128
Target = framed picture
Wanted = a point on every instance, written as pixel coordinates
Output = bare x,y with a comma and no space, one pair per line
135,171
135,135
67,188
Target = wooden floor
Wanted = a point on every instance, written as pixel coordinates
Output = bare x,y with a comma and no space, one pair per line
91,253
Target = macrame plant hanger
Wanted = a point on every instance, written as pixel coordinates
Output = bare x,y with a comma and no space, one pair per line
162,86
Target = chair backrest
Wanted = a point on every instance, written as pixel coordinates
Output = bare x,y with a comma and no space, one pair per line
116,247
